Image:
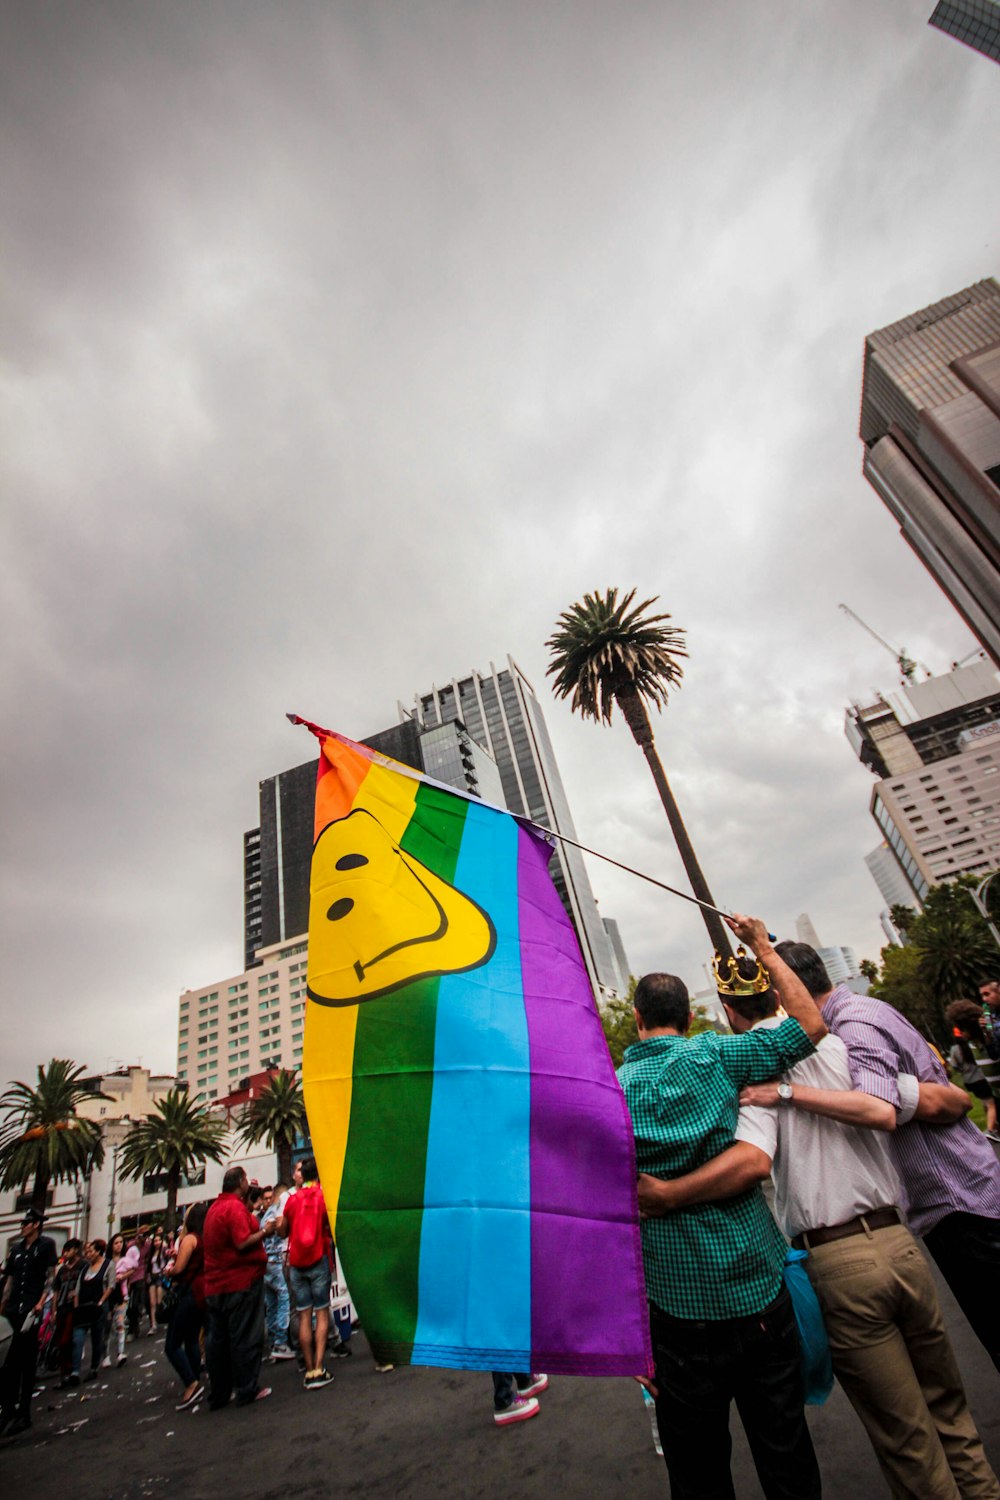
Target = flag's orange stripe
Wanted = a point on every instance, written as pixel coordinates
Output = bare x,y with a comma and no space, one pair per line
342,771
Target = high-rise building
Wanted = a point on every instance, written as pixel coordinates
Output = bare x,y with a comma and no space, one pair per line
618,952
277,853
237,1026
887,873
930,423
840,963
935,748
502,714
974,22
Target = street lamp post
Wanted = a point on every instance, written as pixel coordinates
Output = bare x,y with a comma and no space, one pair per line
979,897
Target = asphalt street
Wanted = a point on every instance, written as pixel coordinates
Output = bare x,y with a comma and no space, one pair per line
412,1434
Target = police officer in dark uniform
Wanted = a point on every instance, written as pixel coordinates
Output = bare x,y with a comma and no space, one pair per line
27,1276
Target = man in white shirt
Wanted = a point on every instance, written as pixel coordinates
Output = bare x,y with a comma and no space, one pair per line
837,1195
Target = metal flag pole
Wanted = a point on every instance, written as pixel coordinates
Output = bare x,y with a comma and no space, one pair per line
526,822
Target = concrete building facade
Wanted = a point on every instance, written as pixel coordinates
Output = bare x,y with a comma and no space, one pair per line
107,1201
930,423
935,748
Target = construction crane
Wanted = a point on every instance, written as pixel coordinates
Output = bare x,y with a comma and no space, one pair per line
907,666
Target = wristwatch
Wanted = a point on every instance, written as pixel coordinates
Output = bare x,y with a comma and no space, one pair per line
784,1093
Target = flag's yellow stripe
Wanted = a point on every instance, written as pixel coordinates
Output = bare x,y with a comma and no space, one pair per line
347,780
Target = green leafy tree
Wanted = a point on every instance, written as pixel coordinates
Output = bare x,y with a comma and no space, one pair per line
605,652
955,945
178,1139
903,983
42,1139
277,1116
868,969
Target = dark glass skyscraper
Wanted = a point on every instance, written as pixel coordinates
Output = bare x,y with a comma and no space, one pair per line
501,713
930,423
974,22
277,854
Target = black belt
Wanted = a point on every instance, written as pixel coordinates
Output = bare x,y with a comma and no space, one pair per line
878,1218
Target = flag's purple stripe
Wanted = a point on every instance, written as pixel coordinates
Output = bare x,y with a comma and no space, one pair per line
587,1290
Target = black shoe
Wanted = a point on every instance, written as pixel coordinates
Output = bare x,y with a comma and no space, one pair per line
340,1351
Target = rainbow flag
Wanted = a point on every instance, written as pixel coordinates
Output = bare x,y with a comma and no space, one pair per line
474,1146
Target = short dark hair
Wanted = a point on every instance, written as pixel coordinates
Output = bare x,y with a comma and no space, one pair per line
232,1179
806,964
100,1246
662,1000
308,1166
73,1245
753,1007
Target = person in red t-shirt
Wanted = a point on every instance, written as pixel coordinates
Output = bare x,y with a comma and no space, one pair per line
305,1222
235,1260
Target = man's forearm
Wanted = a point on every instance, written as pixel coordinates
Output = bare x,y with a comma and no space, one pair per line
942,1104
795,998
850,1106
732,1172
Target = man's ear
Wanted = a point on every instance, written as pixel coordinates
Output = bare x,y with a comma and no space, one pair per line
638,1020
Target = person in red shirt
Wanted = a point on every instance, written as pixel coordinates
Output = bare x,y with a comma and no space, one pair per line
235,1260
305,1222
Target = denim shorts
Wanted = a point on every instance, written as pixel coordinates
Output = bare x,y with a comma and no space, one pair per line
310,1285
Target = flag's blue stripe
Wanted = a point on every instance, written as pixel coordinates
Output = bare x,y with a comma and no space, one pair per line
475,1243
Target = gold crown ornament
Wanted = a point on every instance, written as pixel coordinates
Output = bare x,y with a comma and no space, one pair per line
734,983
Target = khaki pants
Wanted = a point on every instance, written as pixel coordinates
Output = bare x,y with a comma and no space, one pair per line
893,1358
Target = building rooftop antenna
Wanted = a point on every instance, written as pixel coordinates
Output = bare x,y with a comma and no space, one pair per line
907,666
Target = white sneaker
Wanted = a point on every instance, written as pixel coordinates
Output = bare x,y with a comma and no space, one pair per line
538,1384
519,1410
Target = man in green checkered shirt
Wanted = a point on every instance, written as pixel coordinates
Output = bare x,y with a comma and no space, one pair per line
722,1324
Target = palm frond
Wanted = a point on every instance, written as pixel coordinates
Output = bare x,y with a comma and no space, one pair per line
603,647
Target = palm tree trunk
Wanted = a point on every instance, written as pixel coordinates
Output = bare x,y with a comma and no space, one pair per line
173,1185
634,711
40,1190
285,1161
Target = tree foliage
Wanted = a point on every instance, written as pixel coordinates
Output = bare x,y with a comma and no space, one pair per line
42,1139
949,952
277,1116
179,1138
606,651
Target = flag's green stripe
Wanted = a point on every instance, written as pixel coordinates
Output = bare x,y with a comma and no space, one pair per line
381,1198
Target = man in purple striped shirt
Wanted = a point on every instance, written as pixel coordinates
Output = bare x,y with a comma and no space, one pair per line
949,1171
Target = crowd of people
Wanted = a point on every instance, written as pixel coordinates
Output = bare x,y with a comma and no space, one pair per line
224,1286
833,1096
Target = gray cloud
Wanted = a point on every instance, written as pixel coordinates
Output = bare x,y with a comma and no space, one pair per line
347,344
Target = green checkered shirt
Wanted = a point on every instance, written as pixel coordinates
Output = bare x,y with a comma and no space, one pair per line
713,1260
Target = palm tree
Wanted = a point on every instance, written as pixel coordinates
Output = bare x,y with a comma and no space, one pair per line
42,1137
277,1115
605,652
180,1137
954,943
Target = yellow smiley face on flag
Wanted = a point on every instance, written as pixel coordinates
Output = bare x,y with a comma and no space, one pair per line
379,919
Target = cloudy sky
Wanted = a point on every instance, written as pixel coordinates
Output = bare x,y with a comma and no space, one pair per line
346,344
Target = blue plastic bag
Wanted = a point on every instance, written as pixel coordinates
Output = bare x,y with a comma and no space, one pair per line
817,1371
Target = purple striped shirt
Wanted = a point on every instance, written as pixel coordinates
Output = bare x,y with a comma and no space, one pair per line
944,1169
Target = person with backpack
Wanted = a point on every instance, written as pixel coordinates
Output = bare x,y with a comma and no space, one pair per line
305,1222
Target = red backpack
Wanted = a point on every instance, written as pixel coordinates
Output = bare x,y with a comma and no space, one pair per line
307,1226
